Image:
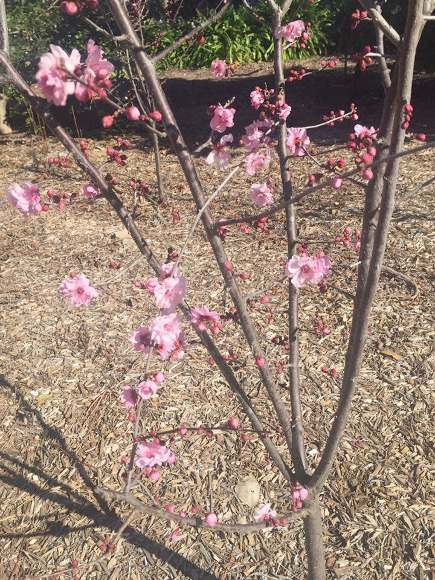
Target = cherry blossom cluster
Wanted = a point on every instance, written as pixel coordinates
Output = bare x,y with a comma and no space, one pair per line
63,161
357,16
346,238
361,59
205,319
307,270
219,68
363,138
340,115
262,100
165,335
322,327
59,199
25,198
133,114
60,74
332,372
292,32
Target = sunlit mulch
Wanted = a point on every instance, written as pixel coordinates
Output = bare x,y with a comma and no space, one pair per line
64,429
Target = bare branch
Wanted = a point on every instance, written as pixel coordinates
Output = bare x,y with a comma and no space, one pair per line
379,21
194,32
122,38
415,191
4,34
195,522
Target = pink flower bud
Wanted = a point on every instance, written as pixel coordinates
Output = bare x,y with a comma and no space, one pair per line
260,361
159,378
336,182
155,116
69,8
132,113
175,535
182,431
303,493
366,158
170,508
367,174
408,109
154,475
234,423
107,121
211,520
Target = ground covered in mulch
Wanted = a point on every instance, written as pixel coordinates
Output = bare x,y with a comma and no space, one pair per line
64,430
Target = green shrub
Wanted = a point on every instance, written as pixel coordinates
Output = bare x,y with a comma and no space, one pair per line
239,37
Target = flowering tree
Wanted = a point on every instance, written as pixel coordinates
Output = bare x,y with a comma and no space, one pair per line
378,152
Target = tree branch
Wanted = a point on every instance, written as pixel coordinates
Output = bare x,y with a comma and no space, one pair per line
195,522
378,20
363,303
194,32
187,165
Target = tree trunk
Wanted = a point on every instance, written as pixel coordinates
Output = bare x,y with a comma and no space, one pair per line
5,128
314,542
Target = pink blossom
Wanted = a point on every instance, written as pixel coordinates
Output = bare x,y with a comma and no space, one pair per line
253,137
151,284
297,140
261,194
78,290
365,133
263,512
132,113
170,292
154,475
175,536
69,8
305,270
336,182
171,459
257,98
90,190
141,339
151,454
107,121
147,389
290,31
26,199
52,76
159,377
211,520
255,162
219,69
94,70
167,336
220,154
129,397
202,316
284,111
222,119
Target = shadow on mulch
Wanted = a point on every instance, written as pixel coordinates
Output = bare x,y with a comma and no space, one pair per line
102,516
191,92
